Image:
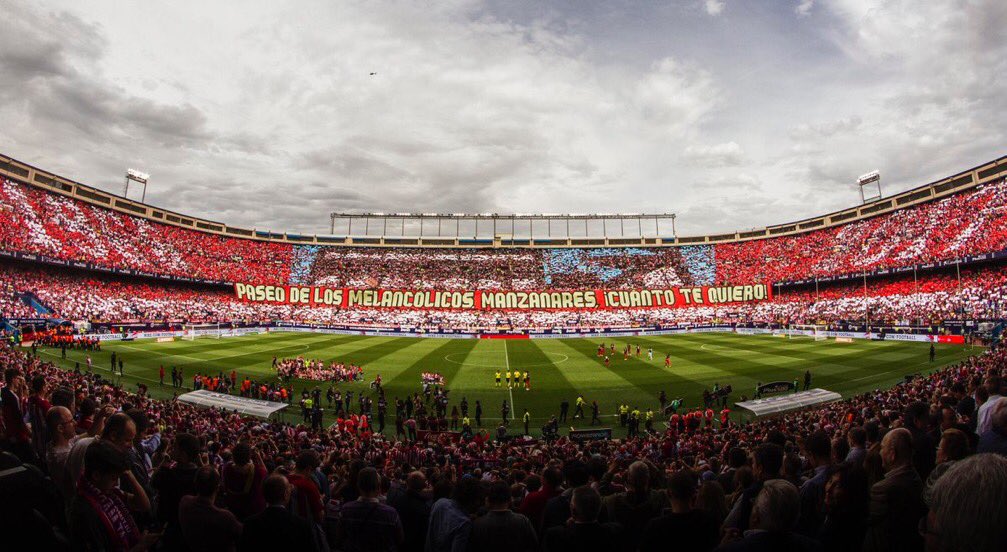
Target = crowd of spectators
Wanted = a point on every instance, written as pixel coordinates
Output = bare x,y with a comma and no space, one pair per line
979,293
91,466
404,268
11,303
623,268
38,222
968,223
35,221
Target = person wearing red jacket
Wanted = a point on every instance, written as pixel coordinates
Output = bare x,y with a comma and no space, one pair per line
307,499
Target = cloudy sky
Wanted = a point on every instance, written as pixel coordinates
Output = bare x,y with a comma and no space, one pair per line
732,113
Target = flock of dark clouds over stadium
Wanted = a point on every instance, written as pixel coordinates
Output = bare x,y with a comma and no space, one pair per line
733,114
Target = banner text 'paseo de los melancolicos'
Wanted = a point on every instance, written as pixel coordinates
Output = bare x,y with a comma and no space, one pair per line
578,299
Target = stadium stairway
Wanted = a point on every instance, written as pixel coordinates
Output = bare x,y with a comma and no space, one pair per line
997,330
33,301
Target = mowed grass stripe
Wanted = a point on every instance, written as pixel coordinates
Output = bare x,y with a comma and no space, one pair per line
649,378
474,370
393,364
738,367
736,361
248,356
432,361
588,373
782,354
209,347
474,379
862,362
685,379
728,359
549,378
369,351
805,349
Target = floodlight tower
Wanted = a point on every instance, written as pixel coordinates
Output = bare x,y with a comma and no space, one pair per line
139,177
873,177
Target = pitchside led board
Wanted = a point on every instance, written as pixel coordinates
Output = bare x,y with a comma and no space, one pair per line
584,299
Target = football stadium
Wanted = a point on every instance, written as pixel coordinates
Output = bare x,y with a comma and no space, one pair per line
419,367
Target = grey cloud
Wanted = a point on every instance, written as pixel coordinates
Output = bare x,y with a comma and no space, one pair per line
727,154
474,111
827,129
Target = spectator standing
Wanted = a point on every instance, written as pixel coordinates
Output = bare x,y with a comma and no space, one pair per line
995,438
62,434
275,528
205,527
896,505
774,517
711,499
100,514
954,446
992,385
767,461
307,498
450,524
557,509
818,451
500,529
142,448
634,508
690,529
17,432
38,406
413,507
174,479
845,507
533,505
585,533
916,419
857,438
242,481
367,525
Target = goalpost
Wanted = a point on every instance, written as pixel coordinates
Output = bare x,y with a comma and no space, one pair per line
816,331
192,331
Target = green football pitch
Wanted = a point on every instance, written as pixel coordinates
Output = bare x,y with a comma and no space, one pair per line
559,368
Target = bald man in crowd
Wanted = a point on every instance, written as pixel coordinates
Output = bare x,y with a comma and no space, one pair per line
63,434
896,505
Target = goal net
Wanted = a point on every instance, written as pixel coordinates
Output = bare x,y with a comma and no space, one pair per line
192,331
814,331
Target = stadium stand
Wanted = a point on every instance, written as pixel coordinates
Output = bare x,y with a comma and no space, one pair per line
978,294
936,435
33,221
969,223
857,445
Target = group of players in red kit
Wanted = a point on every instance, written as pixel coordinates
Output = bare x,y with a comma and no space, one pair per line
627,353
